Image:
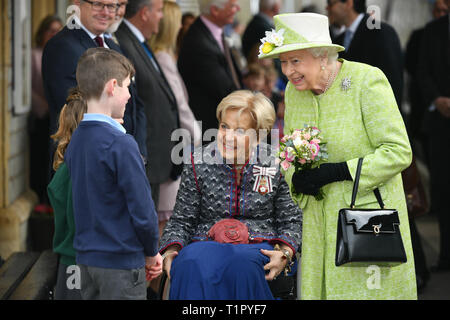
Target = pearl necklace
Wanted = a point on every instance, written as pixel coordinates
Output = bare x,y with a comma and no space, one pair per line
331,76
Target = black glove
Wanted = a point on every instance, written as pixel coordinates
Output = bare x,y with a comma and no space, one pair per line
310,181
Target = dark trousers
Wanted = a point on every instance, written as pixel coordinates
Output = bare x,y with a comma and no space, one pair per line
419,254
440,183
62,290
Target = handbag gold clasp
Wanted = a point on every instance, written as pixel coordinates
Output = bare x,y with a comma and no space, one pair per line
376,228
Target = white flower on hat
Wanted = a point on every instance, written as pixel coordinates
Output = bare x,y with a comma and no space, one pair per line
271,40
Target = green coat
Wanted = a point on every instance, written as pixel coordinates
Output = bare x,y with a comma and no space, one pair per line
60,195
362,121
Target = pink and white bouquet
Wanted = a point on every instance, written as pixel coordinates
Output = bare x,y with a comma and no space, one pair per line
303,149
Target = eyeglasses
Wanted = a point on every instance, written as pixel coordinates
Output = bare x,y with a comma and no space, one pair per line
99,6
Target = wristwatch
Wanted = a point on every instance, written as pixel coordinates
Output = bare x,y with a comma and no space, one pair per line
287,256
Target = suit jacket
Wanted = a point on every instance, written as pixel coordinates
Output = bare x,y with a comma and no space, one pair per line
59,64
255,31
379,48
206,73
187,120
159,104
434,62
418,107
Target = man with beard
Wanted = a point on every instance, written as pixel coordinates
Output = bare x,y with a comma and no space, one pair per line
122,8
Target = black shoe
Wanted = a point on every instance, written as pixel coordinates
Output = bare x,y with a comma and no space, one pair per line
421,284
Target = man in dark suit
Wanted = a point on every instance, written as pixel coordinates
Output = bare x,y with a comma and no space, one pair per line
419,133
257,27
375,45
205,61
60,59
415,127
141,22
433,76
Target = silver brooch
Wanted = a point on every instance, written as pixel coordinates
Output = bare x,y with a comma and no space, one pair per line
346,84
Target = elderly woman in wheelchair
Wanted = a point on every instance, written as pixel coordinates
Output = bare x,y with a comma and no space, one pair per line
234,226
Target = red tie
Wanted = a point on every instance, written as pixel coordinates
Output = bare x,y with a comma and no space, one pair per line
99,41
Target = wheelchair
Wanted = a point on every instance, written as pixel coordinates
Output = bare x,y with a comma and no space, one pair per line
283,287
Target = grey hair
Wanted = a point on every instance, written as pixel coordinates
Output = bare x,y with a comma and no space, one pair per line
134,6
330,52
205,5
267,4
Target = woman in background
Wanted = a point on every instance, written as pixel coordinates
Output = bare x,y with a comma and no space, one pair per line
39,121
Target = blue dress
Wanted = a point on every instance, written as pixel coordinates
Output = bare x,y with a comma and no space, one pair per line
208,270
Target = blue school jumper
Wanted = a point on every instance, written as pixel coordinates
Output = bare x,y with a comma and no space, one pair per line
116,224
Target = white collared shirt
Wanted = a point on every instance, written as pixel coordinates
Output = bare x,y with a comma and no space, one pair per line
90,34
103,118
355,24
137,33
215,30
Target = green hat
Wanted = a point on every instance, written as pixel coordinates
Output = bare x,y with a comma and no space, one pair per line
296,31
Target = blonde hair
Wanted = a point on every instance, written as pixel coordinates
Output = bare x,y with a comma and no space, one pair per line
258,105
69,119
169,27
95,68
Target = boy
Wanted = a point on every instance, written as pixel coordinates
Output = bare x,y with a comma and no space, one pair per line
116,227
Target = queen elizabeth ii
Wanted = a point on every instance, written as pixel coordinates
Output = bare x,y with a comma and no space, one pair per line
354,107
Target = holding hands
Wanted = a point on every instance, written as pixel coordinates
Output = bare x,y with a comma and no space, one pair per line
153,267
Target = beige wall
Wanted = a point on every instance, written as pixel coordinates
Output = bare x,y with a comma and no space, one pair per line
16,200
5,64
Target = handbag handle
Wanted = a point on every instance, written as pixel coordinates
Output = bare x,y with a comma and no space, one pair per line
356,184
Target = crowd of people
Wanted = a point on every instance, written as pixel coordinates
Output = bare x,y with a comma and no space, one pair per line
116,83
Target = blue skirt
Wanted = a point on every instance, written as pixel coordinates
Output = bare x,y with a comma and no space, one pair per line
209,270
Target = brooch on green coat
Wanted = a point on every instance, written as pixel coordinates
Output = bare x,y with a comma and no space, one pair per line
346,83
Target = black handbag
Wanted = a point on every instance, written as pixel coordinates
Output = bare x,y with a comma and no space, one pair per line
368,235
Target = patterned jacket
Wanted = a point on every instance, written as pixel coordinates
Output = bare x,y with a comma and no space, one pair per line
209,193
